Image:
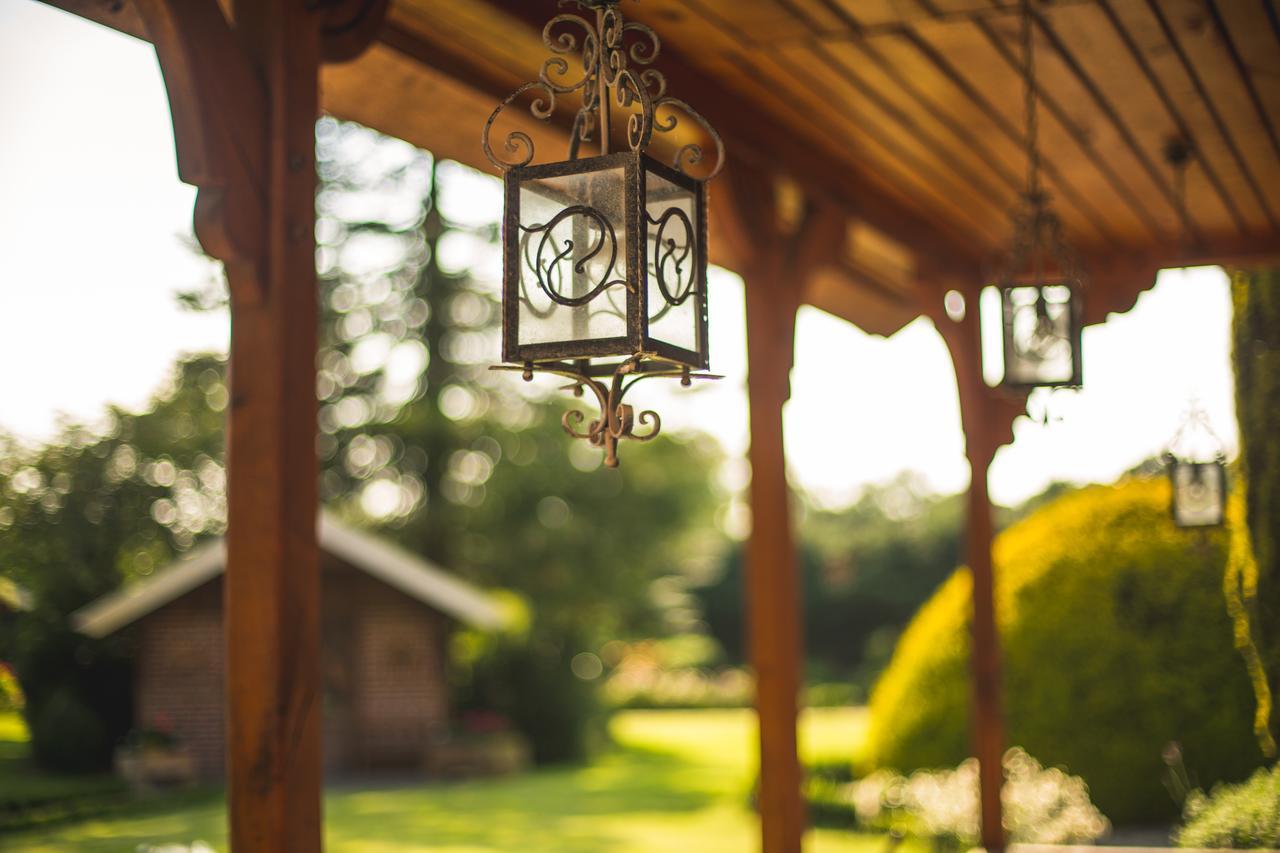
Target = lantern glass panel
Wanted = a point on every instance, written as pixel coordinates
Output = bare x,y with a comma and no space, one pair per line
1040,335
1199,493
673,264
573,259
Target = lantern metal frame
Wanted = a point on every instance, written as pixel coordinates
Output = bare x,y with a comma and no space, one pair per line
636,166
613,72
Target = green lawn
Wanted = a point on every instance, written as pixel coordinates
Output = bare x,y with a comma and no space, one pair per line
677,781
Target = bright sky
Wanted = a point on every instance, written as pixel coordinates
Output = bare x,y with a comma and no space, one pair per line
92,225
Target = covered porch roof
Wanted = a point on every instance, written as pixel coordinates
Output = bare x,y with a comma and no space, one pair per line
905,117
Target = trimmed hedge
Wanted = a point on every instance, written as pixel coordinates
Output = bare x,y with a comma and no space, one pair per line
1242,816
1115,642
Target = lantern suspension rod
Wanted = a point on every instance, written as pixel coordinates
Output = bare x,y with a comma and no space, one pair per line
1030,93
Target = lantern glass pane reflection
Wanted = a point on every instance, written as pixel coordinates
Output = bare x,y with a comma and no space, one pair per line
1199,493
604,256
1041,335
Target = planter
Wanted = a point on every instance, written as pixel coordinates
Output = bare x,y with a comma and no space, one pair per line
150,769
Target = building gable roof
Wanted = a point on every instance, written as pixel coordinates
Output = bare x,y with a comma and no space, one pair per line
394,566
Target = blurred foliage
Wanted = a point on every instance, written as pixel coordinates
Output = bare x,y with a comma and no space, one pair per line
417,438
95,508
865,570
1253,573
1244,816
1114,642
1041,805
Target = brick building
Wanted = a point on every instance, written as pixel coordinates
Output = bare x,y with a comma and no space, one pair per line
386,618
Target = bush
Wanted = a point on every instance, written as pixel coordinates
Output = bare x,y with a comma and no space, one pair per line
529,680
66,734
1245,815
1115,642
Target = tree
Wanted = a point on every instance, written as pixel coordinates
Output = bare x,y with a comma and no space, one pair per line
94,509
1253,568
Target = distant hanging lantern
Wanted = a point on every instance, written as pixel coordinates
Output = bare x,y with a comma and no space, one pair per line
605,257
1198,476
1040,280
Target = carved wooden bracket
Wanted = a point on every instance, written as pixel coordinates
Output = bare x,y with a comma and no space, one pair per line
987,414
219,106
219,126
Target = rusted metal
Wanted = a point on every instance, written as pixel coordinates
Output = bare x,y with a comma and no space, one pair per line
585,239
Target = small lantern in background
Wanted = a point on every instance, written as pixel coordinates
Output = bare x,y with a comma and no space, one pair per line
1041,279
1199,492
1197,463
605,257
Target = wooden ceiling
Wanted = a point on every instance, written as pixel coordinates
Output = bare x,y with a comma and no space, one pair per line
907,115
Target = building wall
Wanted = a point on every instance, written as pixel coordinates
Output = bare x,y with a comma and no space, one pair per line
385,699
178,674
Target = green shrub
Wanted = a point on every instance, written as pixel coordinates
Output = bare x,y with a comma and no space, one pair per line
1115,642
1245,815
529,681
66,734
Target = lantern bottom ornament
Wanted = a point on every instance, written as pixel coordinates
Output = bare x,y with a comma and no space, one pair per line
618,420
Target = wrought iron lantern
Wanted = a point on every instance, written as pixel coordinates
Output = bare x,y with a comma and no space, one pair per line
605,257
1198,479
1041,279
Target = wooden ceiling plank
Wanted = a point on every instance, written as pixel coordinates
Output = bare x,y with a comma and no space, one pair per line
1210,104
1158,178
941,150
1213,147
755,139
1211,173
1242,71
1087,212
904,149
1102,164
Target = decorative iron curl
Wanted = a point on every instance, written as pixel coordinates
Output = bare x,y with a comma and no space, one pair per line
608,241
670,254
615,55
617,420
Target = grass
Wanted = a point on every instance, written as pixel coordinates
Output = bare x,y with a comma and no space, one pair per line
29,795
678,780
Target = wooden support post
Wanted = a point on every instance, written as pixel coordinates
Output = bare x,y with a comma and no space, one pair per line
272,585
987,416
772,574
988,722
244,100
777,257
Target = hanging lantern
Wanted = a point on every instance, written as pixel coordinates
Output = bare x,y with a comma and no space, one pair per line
605,257
1040,280
1197,472
1199,492
1040,310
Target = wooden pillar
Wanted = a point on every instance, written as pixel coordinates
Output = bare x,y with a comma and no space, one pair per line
772,572
272,584
988,721
243,92
776,247
987,415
